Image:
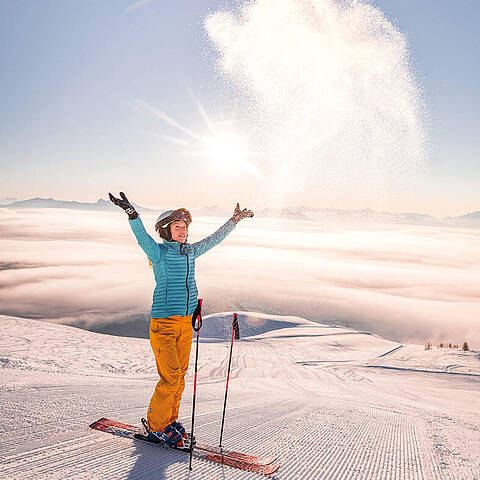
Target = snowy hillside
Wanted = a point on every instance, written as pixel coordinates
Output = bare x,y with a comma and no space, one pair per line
330,402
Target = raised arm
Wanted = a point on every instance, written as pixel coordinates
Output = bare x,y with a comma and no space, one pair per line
203,246
151,248
206,244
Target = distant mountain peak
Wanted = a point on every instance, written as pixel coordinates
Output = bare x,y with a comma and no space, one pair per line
39,202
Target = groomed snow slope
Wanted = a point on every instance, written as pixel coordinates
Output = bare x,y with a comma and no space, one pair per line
331,403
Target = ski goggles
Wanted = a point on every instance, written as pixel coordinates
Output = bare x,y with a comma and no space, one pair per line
182,214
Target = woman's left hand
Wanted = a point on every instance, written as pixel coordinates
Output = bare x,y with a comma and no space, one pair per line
241,214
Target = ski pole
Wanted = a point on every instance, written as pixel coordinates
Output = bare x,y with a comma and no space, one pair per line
196,320
235,334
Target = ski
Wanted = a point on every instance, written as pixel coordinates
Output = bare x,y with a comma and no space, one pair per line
231,461
239,456
105,422
231,458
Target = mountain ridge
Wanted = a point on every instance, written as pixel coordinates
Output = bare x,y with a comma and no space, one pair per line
334,215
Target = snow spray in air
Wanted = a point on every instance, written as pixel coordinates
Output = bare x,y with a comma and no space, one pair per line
331,99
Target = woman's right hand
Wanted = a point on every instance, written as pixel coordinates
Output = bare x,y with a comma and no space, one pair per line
124,204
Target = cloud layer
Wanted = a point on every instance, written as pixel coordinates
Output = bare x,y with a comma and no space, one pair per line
408,283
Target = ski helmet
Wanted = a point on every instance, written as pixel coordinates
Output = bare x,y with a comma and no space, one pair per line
162,225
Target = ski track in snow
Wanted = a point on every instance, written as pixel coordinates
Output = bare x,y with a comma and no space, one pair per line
307,394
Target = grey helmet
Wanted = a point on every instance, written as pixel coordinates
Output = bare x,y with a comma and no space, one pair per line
162,225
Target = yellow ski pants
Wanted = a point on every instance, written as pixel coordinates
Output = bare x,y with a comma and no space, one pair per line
171,341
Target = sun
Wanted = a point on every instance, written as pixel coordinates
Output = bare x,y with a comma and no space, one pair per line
229,151
226,149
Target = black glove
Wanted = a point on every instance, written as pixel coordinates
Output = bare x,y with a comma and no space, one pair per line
125,204
240,214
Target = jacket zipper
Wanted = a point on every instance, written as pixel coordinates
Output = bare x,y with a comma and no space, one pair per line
186,280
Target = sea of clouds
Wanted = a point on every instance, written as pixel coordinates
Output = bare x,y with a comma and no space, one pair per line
405,282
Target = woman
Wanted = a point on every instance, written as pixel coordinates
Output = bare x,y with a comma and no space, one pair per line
174,301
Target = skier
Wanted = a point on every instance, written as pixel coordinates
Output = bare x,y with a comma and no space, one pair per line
174,301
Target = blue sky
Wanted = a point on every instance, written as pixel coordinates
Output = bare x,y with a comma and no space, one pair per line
73,70
445,47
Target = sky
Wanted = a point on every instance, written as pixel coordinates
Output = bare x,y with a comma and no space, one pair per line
125,95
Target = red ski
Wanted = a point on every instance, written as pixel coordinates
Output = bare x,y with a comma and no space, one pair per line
238,460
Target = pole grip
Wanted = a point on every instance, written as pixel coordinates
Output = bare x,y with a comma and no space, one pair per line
197,316
235,326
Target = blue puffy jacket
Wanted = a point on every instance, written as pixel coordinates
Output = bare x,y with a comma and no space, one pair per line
174,268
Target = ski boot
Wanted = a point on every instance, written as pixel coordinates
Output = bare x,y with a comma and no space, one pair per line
186,436
169,435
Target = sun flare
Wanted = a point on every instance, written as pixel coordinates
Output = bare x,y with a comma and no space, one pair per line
224,147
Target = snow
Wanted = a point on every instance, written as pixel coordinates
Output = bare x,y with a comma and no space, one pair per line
330,402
